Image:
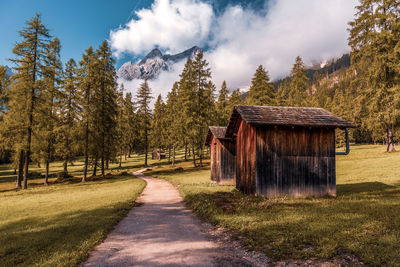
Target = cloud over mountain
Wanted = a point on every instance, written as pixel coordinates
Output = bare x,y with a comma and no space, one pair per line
239,39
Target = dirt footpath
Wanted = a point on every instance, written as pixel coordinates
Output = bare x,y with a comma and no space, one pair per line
162,232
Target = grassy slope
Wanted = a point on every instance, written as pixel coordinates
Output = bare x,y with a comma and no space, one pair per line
363,220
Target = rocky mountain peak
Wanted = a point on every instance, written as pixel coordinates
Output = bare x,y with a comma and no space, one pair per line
154,63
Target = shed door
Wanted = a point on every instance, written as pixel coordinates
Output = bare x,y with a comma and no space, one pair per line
214,161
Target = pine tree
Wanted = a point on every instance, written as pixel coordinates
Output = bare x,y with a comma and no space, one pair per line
86,87
223,108
157,132
68,115
171,120
261,90
374,36
48,122
299,84
105,106
144,97
5,82
29,53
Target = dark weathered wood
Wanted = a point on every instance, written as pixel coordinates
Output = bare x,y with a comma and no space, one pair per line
222,156
295,161
245,158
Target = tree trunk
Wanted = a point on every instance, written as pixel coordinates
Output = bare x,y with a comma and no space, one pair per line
38,164
102,166
120,158
389,140
194,156
145,157
186,149
66,166
95,167
107,161
129,153
46,175
201,156
173,155
20,175
169,155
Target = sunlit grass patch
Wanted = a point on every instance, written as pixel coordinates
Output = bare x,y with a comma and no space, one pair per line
363,220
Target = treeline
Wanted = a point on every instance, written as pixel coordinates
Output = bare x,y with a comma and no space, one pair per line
54,112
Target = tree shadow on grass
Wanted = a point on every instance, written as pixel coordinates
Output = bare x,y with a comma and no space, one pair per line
367,187
63,239
289,228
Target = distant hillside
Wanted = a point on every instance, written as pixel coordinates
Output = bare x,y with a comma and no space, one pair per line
338,64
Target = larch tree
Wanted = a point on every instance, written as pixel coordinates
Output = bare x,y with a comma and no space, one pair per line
144,97
86,87
52,78
157,128
29,56
374,40
299,84
223,108
68,115
261,91
105,106
171,120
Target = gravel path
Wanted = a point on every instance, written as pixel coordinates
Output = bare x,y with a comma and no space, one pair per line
162,232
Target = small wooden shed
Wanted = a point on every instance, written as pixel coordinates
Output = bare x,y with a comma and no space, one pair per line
158,154
285,150
222,155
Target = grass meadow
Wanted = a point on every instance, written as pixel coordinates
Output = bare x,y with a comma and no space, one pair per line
59,224
363,220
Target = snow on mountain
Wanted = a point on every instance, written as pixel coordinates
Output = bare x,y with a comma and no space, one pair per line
154,63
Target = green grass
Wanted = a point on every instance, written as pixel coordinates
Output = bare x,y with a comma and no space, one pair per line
363,220
58,225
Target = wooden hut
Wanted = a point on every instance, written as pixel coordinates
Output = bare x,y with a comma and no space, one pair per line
285,150
222,155
158,154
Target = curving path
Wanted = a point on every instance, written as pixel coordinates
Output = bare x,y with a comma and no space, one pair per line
161,232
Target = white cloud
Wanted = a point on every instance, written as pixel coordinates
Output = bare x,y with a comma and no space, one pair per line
240,39
172,25
312,29
162,85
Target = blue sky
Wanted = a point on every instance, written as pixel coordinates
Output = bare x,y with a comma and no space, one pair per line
238,35
77,23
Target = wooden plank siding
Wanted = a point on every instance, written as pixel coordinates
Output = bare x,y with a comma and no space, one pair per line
296,161
246,158
223,169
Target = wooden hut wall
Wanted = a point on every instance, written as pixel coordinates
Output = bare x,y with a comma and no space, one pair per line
215,159
245,158
227,161
295,161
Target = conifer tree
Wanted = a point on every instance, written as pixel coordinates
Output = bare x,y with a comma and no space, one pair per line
86,87
5,82
48,121
299,84
29,55
223,108
131,133
374,36
157,132
261,91
105,106
235,99
144,97
171,120
69,114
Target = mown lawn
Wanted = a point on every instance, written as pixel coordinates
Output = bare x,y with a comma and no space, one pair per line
363,220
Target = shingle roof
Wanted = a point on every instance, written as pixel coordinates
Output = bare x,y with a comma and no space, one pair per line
285,116
216,131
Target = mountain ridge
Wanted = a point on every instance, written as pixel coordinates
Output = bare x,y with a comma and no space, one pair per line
154,63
